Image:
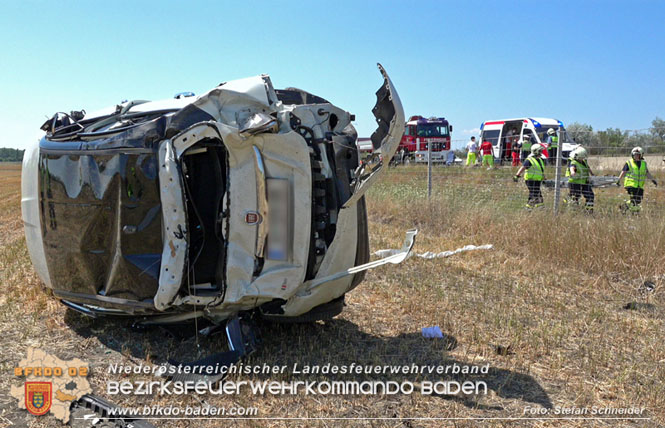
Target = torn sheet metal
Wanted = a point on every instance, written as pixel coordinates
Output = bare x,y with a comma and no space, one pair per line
175,227
395,257
258,123
390,118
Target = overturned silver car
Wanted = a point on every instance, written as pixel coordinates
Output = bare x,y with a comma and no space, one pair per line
246,198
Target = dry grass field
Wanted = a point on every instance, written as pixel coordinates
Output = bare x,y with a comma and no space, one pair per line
655,162
546,309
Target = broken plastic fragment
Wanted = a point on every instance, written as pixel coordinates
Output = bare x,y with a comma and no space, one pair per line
432,332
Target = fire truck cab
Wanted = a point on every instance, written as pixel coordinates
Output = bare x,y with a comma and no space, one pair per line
420,132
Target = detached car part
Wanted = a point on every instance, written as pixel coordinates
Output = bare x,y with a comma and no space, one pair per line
594,181
246,198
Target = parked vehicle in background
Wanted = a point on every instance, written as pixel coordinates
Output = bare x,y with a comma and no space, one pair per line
498,132
418,133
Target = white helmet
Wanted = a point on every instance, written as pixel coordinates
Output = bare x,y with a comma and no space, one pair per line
551,131
637,151
580,153
536,149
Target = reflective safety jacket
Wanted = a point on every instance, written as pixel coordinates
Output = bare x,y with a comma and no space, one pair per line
581,172
554,141
526,145
536,171
635,177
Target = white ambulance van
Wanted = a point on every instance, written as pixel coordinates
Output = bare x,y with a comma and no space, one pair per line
501,133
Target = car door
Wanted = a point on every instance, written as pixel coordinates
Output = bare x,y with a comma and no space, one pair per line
385,140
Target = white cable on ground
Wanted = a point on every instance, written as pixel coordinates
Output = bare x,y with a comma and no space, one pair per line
431,255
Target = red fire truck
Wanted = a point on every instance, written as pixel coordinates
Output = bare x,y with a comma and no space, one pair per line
418,133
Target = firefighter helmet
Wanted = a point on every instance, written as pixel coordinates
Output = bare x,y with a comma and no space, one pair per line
580,153
551,131
536,149
637,151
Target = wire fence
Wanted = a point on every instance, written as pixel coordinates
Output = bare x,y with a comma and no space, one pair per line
494,185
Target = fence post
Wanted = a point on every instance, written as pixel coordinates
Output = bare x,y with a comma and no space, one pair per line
429,170
557,174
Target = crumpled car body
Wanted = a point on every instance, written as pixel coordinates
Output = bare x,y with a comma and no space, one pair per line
244,198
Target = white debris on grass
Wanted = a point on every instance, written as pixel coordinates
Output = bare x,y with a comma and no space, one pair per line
431,255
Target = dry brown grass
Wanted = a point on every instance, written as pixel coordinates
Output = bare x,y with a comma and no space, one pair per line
552,291
615,163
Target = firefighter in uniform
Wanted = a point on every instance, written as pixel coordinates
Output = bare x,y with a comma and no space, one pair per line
552,144
579,179
472,150
534,166
635,172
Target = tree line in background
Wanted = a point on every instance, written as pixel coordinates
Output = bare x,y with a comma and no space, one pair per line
615,142
11,155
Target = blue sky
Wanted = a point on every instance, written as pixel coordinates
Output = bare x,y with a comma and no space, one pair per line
597,62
